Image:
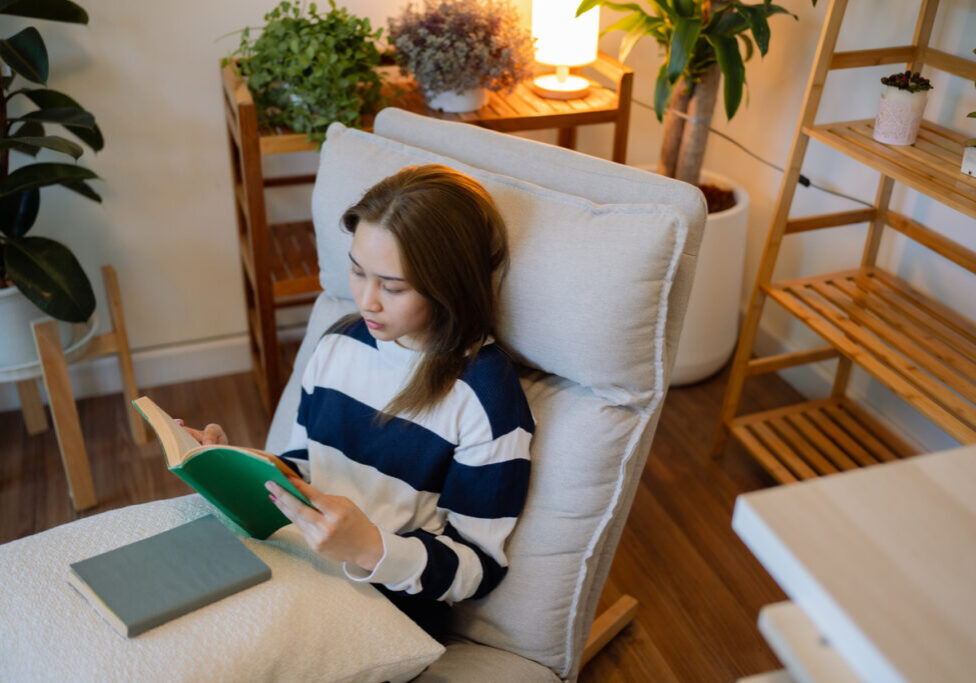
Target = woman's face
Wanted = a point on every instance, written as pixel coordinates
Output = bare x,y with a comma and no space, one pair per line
392,308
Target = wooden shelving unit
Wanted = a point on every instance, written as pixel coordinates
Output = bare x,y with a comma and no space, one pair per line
279,261
914,345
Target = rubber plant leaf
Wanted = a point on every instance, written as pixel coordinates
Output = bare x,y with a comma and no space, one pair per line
66,116
83,188
49,99
58,144
25,53
42,175
49,275
18,212
55,10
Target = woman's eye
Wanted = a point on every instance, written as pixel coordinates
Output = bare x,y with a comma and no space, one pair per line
390,290
356,272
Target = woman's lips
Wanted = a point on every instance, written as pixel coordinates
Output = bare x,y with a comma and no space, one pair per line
372,325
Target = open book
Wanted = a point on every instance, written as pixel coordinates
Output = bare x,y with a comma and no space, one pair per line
230,477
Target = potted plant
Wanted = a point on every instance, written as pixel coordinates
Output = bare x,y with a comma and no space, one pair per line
306,70
705,44
38,272
901,107
459,49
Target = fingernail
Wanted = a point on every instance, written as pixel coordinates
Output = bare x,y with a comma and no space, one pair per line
179,422
272,497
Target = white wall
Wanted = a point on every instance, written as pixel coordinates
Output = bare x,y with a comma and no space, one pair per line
149,72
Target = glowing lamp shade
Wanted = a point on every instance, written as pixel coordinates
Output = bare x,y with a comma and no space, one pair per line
563,40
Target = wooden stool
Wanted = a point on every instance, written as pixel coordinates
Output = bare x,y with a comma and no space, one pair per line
54,371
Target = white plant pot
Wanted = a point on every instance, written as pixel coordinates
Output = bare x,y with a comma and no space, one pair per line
16,336
969,161
711,327
899,116
452,102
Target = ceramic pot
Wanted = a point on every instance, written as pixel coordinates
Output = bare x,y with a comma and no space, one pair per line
899,115
969,161
16,315
452,102
711,327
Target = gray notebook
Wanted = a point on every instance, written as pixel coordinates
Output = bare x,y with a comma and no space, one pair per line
149,582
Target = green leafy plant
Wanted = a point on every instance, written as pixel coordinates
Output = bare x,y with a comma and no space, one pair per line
704,42
910,81
306,69
45,271
456,45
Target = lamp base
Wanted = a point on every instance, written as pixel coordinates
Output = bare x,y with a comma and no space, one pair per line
555,88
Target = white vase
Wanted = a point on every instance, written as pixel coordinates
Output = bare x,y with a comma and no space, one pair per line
16,336
899,115
969,161
452,102
711,326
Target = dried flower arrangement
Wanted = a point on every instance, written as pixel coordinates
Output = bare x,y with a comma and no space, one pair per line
457,45
912,81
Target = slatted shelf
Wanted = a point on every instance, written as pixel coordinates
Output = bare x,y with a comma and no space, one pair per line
916,346
812,439
931,165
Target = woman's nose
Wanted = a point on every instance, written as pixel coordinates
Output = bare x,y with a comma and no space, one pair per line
370,299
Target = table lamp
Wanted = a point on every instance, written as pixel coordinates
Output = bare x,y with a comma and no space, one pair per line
563,40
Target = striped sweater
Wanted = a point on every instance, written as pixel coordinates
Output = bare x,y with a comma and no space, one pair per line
444,488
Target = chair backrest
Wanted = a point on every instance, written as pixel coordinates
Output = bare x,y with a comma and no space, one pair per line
602,259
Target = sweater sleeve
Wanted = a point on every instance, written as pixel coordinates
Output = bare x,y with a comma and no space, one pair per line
465,559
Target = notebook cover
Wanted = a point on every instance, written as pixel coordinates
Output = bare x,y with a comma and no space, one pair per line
147,583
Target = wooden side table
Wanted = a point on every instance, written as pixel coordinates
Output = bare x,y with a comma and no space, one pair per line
279,261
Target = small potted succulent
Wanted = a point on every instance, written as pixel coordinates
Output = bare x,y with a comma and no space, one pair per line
459,49
306,70
901,107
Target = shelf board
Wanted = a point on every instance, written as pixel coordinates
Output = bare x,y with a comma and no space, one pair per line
294,259
811,439
931,165
917,347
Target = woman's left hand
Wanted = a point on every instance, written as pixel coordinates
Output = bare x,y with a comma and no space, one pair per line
335,528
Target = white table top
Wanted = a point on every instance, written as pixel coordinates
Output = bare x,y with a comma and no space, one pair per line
882,560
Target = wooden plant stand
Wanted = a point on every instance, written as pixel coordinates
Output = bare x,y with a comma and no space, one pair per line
54,373
279,261
914,345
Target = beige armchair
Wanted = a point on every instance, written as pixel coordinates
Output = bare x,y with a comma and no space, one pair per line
602,262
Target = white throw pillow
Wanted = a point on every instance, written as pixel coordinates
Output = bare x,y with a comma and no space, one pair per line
307,623
571,289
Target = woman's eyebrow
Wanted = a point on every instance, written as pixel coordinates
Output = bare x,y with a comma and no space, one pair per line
381,277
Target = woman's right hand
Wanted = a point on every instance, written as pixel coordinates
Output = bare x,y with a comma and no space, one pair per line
212,434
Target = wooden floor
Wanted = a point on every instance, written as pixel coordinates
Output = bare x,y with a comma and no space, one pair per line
699,588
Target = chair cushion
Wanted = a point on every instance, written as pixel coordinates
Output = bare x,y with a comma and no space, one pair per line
465,662
307,623
586,296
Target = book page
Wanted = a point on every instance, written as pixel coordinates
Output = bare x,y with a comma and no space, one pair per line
176,441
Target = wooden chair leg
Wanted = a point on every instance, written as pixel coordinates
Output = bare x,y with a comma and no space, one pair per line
35,417
607,625
65,414
129,389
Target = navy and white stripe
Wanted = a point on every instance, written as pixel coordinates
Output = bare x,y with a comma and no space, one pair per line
445,488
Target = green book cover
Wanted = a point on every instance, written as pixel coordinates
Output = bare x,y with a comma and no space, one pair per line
230,477
147,583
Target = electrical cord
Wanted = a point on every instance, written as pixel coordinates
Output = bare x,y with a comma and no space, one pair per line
802,180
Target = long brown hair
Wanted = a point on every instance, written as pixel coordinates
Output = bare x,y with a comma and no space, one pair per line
452,242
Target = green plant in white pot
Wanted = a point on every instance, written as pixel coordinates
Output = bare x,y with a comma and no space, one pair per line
705,44
306,69
457,50
42,270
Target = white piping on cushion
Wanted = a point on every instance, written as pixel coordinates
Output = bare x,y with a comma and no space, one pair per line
584,577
